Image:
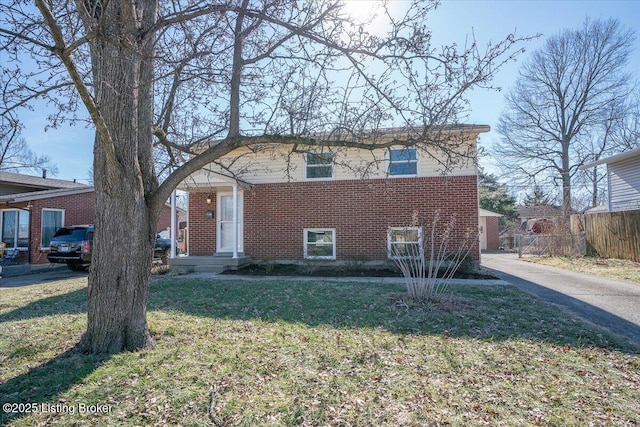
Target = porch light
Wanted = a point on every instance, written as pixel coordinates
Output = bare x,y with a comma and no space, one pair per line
209,199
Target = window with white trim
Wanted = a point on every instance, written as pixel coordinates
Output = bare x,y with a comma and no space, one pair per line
320,243
52,220
404,242
403,161
15,228
318,166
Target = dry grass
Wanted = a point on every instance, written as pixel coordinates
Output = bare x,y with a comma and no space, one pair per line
613,268
317,354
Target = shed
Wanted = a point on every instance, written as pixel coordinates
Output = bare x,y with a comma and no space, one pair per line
489,229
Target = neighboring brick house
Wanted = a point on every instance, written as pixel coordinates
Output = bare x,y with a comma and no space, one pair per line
33,208
345,205
489,229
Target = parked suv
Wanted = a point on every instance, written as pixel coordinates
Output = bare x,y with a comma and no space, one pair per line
73,246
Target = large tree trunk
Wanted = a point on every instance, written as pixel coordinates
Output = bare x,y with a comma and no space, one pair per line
120,270
126,215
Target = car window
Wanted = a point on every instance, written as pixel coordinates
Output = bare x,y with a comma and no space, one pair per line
70,234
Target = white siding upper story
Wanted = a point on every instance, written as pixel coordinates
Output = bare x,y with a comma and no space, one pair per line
623,178
276,163
624,184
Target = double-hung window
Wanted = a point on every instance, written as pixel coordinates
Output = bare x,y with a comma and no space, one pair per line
52,220
318,166
15,228
320,243
403,161
404,242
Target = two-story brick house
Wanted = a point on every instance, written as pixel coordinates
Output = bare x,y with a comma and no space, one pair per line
274,203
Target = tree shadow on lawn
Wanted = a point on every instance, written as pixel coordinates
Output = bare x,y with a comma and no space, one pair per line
484,312
74,302
481,312
474,311
41,385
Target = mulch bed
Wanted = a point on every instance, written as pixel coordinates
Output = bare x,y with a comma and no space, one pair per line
340,271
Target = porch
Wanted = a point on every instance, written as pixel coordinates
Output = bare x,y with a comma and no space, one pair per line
215,224
219,263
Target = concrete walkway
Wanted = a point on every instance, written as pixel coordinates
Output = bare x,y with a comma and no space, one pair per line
614,304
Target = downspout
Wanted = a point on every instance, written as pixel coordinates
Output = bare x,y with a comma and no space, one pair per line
30,234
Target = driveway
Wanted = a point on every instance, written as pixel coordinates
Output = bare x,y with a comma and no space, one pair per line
614,304
40,277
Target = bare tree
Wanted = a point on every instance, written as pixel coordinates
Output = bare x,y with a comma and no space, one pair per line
561,102
15,154
200,79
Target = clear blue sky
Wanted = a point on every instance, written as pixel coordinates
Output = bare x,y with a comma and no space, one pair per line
71,147
492,20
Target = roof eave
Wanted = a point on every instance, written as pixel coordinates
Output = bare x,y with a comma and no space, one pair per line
618,157
44,194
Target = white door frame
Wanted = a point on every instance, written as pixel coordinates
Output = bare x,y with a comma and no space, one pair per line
483,232
236,220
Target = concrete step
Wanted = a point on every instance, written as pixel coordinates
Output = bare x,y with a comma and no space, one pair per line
208,268
209,264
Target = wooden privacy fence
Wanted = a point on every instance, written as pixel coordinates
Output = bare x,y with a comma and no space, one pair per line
566,245
610,234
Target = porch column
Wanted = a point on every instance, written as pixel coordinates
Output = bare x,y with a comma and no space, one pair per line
172,234
235,220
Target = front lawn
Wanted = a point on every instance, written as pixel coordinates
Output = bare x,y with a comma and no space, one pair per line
315,353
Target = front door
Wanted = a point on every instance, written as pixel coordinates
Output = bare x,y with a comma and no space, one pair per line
225,226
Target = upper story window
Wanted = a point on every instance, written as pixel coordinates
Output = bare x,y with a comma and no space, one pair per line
318,166
403,161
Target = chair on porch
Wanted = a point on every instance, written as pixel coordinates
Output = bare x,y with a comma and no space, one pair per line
9,257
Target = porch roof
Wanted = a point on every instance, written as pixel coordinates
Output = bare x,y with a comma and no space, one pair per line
205,179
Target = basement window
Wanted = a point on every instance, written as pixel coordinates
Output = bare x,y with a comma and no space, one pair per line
404,242
320,243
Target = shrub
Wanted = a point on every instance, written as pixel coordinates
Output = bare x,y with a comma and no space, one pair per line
429,265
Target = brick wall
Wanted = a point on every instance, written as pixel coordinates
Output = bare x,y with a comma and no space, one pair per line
202,230
361,211
164,221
